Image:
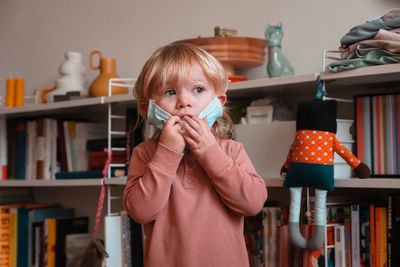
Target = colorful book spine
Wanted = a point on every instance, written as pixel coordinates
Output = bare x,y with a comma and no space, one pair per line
3,148
355,235
377,129
20,171
4,235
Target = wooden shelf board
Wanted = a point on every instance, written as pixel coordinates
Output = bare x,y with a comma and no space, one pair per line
382,183
368,76
268,85
66,105
50,183
61,183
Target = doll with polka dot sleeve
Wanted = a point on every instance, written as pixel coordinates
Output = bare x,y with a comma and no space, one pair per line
310,164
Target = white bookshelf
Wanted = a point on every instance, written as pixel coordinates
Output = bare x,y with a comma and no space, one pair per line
368,76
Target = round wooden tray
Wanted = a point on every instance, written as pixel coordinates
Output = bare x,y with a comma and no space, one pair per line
233,52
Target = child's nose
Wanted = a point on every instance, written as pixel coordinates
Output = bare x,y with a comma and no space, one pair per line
184,101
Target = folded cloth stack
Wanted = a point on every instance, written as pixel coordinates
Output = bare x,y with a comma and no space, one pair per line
375,42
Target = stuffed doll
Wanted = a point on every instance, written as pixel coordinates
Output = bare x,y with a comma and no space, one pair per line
310,164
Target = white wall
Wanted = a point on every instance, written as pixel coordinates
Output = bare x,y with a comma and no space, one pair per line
35,34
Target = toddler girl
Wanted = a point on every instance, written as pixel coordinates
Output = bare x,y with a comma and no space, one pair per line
190,185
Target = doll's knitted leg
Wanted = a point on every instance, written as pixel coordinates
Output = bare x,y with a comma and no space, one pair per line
318,238
294,218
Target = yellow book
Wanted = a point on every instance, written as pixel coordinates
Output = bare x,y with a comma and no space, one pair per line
13,236
4,235
383,236
50,228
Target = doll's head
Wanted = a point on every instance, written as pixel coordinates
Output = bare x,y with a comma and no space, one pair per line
317,115
174,62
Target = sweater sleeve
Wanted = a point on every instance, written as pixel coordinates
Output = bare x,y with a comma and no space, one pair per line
234,178
149,181
345,154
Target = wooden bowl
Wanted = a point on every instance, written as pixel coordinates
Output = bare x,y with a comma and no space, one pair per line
233,52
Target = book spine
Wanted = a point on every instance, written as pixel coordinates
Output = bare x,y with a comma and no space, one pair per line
389,230
395,231
50,228
373,239
20,162
3,150
40,149
62,149
383,236
339,246
355,236
4,236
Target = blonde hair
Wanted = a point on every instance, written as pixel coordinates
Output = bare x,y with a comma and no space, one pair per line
173,61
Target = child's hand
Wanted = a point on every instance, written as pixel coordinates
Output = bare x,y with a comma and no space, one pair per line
199,136
172,134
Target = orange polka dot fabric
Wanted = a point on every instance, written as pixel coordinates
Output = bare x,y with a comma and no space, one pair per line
311,146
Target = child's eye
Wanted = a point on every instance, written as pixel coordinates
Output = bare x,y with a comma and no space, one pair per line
169,92
198,89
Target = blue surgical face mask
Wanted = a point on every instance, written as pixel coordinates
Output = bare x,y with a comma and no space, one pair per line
156,115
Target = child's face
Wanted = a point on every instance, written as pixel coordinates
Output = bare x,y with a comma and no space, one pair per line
189,96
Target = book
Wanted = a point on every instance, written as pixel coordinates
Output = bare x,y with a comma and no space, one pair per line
126,239
32,216
61,146
340,249
88,174
365,235
3,150
355,235
393,230
84,132
372,250
40,149
8,235
23,232
4,235
20,163
31,136
13,236
97,159
50,242
11,148
67,140
100,144
381,236
64,227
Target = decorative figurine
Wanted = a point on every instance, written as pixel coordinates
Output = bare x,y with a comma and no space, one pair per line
277,65
72,80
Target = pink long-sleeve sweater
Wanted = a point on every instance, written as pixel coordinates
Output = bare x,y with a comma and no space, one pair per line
192,207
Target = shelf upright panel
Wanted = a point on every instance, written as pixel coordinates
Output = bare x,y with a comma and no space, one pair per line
115,82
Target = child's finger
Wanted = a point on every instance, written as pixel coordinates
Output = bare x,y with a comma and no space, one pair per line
191,132
189,140
190,120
